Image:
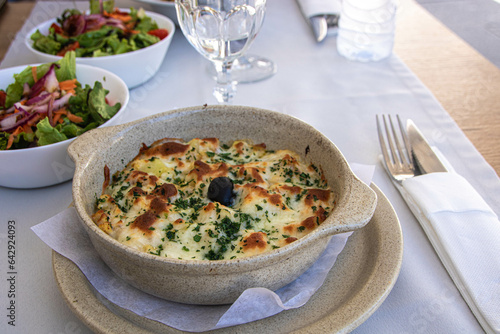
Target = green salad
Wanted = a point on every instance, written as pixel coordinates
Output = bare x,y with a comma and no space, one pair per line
105,31
46,104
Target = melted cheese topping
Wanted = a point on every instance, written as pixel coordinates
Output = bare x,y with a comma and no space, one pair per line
158,203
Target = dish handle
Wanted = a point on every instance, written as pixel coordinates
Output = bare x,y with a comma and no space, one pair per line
84,146
355,211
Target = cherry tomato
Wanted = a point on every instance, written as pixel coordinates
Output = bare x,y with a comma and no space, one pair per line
160,33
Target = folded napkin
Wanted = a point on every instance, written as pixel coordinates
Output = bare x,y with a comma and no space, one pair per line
322,16
64,234
312,8
465,233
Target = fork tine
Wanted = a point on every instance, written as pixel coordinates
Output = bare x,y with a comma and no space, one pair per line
385,153
390,140
397,157
400,152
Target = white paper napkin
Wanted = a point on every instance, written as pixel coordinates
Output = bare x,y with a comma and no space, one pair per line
64,234
465,233
312,8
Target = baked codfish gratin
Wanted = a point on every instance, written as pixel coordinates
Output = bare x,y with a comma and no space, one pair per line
210,201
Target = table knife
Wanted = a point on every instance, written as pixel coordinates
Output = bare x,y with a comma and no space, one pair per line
425,157
320,25
321,15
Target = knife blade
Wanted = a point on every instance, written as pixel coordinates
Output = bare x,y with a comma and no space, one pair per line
322,16
425,157
319,27
321,24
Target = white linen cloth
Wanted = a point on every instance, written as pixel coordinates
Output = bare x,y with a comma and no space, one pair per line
314,83
465,233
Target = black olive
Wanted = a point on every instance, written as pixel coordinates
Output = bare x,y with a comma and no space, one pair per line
221,190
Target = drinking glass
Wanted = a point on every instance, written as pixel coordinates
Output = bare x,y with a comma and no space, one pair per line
221,31
248,68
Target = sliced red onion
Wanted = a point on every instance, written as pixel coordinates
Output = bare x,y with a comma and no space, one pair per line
8,122
40,84
48,82
74,25
58,104
20,122
50,106
40,99
21,108
8,111
51,82
26,89
110,21
94,21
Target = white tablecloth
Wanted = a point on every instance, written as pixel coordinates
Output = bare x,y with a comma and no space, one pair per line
314,83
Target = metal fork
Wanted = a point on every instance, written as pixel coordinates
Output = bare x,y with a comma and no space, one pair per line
398,158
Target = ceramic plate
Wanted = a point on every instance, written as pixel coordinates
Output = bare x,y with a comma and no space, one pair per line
359,282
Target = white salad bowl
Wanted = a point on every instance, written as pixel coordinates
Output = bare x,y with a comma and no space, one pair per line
48,165
163,7
135,68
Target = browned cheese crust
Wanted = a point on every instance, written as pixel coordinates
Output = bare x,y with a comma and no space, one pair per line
158,203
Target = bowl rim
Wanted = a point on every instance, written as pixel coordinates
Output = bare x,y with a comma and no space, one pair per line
68,141
171,31
159,2
228,265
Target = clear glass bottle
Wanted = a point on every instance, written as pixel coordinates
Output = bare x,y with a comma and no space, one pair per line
366,29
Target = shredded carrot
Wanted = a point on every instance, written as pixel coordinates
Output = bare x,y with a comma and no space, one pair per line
68,85
33,121
74,118
13,135
71,117
57,117
33,72
18,130
10,141
27,128
122,16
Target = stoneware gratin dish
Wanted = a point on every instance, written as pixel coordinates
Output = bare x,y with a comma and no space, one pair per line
215,282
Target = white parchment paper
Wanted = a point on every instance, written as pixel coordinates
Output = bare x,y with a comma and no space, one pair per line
64,234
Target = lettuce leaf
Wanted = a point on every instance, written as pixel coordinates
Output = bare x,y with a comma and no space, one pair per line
108,5
66,71
142,40
98,108
146,24
46,134
45,44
